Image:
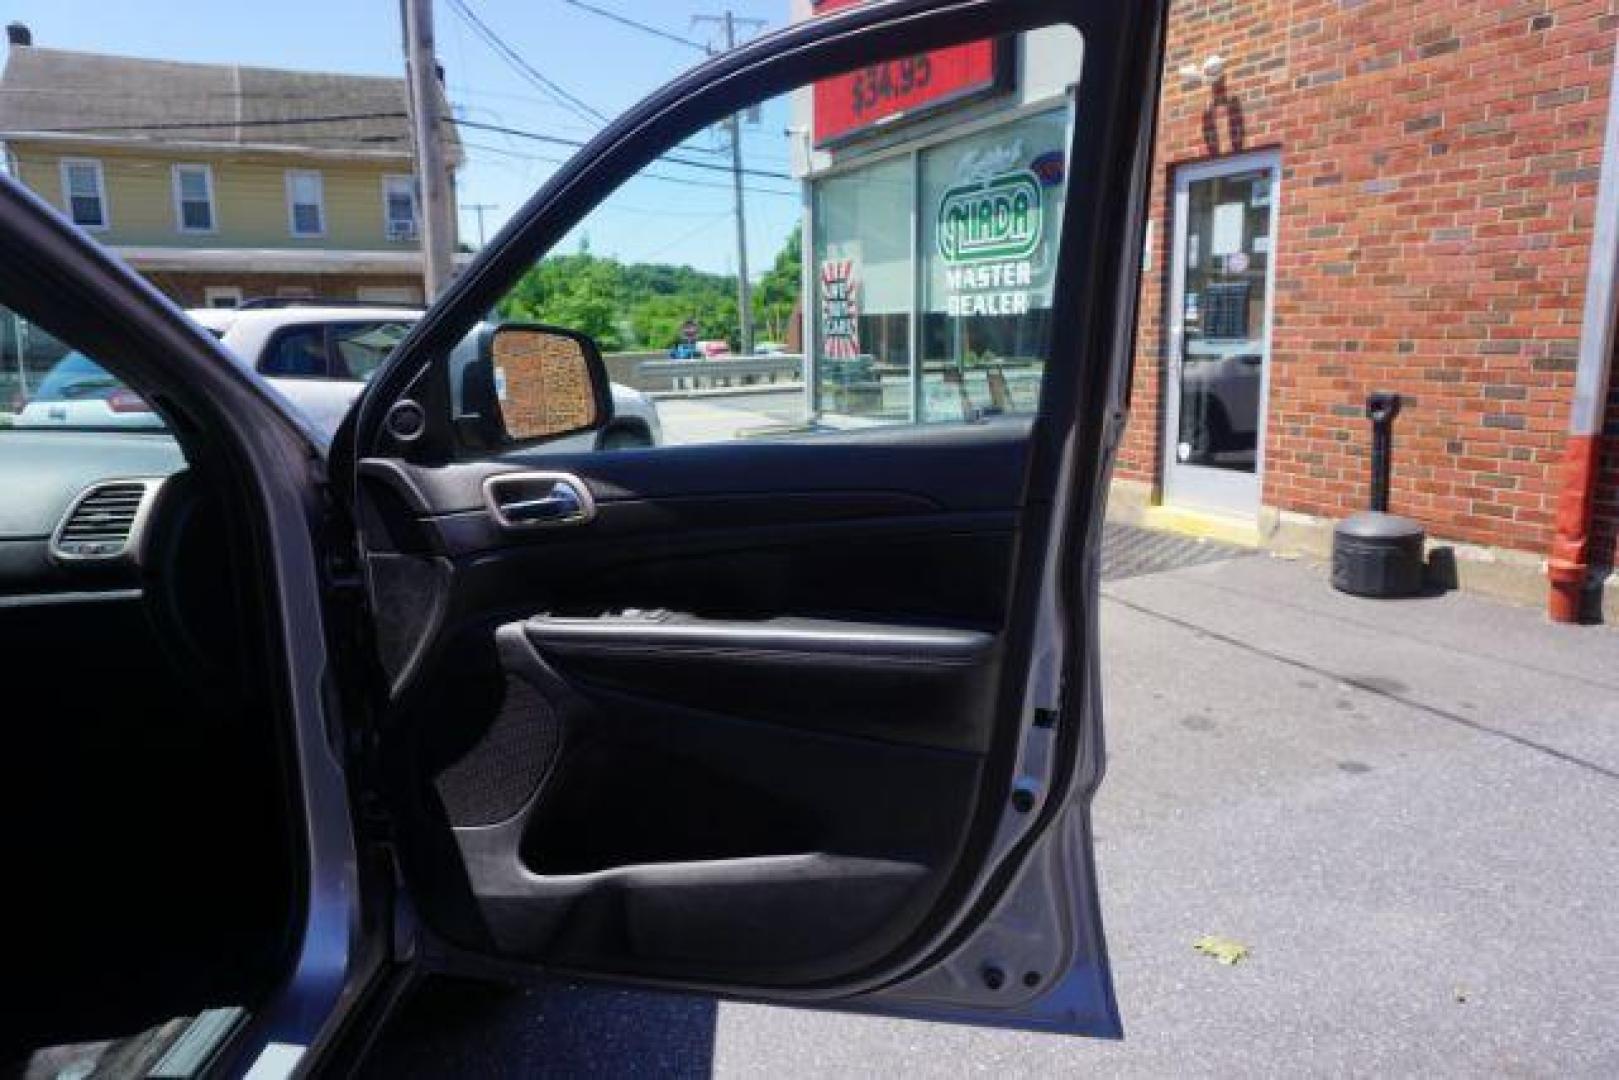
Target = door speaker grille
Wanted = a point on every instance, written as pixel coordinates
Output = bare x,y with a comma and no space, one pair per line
500,773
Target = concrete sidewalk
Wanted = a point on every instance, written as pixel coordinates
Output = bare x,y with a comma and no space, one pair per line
1409,811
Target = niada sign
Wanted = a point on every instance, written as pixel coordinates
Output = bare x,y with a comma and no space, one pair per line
995,219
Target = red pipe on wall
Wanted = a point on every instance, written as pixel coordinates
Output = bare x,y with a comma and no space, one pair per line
1568,565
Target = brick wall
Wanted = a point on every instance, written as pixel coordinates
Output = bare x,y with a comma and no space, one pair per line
1439,167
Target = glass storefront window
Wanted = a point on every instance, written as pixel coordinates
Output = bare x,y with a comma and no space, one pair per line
991,217
863,286
988,211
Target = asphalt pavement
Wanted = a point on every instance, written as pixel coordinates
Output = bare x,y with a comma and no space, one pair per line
1408,812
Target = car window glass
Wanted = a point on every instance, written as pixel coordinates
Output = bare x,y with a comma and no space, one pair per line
359,349
45,384
895,230
299,353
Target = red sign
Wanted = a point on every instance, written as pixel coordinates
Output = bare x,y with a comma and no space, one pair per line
849,104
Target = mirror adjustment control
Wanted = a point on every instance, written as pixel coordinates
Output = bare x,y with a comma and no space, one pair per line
406,421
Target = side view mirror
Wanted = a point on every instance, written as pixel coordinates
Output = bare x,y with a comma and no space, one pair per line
541,382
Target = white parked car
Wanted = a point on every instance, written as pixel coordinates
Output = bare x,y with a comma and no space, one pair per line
318,357
79,393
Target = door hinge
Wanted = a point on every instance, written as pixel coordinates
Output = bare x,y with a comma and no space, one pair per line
1117,419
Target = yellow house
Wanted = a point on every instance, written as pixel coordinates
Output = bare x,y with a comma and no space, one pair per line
220,182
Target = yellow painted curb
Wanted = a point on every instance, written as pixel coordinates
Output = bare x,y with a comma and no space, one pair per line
1227,530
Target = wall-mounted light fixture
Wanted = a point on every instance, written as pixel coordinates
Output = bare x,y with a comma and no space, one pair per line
1210,70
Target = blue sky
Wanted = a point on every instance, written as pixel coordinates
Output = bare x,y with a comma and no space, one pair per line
606,65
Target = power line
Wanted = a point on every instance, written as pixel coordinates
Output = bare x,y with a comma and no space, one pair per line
183,125
644,174
476,125
509,152
702,227
557,140
515,59
581,109
641,26
463,91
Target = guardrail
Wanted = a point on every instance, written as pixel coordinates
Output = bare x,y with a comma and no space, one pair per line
727,371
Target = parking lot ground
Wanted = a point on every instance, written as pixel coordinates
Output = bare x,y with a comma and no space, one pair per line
718,416
1408,811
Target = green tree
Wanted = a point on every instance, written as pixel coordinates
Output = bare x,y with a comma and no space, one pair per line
778,291
643,305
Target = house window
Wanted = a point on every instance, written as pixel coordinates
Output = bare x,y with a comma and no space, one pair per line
222,296
84,192
399,207
306,209
194,198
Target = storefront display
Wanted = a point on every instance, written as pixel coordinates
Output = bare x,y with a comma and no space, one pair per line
992,207
863,271
960,237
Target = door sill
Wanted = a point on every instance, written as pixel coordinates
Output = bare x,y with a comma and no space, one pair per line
1204,524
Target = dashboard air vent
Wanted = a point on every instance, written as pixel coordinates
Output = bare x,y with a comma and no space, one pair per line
103,521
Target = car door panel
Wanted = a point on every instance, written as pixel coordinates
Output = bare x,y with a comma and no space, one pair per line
848,759
652,793
922,685
670,839
957,467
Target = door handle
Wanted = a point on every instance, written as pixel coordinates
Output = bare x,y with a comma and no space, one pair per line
563,502
529,500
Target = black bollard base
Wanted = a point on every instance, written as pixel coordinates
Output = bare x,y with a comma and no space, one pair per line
1377,554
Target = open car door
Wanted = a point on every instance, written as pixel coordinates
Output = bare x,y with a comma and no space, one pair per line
802,705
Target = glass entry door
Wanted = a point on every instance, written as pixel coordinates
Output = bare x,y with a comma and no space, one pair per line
1221,283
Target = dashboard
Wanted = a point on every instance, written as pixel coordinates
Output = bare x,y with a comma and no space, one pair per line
73,505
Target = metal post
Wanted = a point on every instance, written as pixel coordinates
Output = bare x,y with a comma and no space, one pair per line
809,293
913,336
1382,445
432,175
744,291
19,333
478,209
1381,409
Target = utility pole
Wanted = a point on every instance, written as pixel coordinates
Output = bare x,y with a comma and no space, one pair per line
744,291
432,175
478,208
